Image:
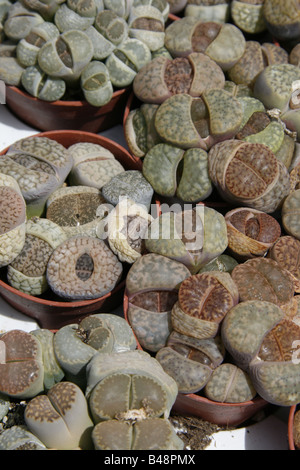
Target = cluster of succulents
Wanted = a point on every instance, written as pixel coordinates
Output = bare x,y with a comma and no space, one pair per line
66,48
86,386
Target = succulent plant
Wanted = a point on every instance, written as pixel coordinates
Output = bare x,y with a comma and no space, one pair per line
20,20
94,165
13,219
46,9
187,122
67,19
76,344
126,60
39,85
223,263
10,71
77,209
296,429
130,184
254,60
19,438
40,165
28,48
177,6
163,77
27,272
95,84
224,43
122,382
260,340
101,46
285,252
250,232
139,129
61,418
233,162
294,55
208,10
127,228
171,170
290,214
142,434
21,366
248,15
203,301
190,361
282,18
264,279
83,268
152,288
121,7
187,236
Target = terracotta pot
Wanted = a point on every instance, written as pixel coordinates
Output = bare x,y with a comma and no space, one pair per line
79,115
291,427
223,414
48,310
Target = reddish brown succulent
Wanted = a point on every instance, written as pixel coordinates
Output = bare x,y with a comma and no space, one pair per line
286,251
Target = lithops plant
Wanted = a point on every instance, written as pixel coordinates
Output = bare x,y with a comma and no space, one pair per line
121,7
254,60
102,47
147,23
130,184
173,171
152,285
93,165
261,342
248,15
45,9
282,18
250,232
67,19
177,5
223,263
290,214
139,129
233,162
127,228
111,26
27,272
42,86
126,60
83,268
229,384
190,361
28,48
264,279
122,382
21,366
95,83
61,418
19,438
208,10
40,165
66,56
75,344
78,210
136,434
20,21
224,43
203,302
187,236
286,252
13,219
164,77
10,71
186,121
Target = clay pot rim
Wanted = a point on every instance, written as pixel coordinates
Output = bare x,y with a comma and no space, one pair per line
57,103
291,427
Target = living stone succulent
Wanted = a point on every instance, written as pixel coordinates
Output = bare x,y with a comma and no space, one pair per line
139,129
248,15
78,210
45,9
61,418
20,20
250,232
28,48
172,170
111,26
286,252
147,23
187,236
83,268
10,71
260,340
13,219
177,6
95,83
152,289
162,77
39,165
208,10
223,263
39,85
67,19
94,165
290,214
282,18
27,272
19,438
224,43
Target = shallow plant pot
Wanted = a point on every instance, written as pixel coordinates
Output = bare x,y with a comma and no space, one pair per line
222,414
291,427
48,310
79,115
